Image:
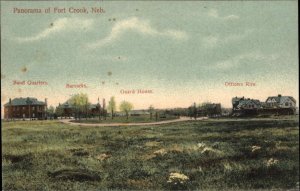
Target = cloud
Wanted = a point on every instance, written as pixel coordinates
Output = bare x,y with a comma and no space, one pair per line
215,14
235,62
210,41
175,34
216,40
139,26
237,37
59,25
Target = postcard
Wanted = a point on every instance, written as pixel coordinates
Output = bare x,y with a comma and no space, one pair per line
150,95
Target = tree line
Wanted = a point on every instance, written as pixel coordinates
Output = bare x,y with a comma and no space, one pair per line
80,105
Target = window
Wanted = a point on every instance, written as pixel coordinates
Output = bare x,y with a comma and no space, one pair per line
18,108
23,108
33,108
33,115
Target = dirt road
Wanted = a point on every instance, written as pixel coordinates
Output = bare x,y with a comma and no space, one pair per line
68,121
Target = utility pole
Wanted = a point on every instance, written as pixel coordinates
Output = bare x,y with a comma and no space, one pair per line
86,109
104,113
10,113
195,111
45,110
99,110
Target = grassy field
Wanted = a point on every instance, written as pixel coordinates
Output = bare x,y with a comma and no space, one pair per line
206,155
123,119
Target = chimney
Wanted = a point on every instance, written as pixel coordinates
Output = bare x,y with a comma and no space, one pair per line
279,95
46,101
9,100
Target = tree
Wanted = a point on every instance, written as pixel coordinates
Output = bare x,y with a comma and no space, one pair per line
81,103
126,107
190,112
99,109
50,111
59,111
112,106
195,111
151,110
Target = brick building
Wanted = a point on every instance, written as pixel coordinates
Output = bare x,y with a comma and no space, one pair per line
21,108
67,109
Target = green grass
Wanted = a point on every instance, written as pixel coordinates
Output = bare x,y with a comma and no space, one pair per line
123,119
213,154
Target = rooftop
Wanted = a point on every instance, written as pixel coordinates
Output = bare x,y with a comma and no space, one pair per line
24,101
280,98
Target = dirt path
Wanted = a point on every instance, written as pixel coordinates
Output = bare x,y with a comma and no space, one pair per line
68,121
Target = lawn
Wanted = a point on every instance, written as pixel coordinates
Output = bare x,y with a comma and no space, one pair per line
123,119
191,155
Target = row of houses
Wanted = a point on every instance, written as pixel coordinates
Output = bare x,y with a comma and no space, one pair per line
34,109
68,110
31,108
273,105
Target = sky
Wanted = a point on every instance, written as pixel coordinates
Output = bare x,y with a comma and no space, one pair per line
183,52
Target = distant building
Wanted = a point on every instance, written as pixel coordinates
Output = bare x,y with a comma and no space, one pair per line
279,105
21,108
93,109
209,109
69,110
139,112
280,102
235,102
133,113
249,104
65,110
242,106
